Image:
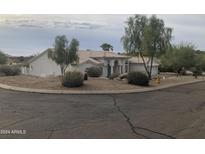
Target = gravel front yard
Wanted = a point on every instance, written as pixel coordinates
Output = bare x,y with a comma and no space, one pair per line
53,83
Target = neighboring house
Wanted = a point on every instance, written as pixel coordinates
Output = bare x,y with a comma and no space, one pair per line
110,63
42,66
18,60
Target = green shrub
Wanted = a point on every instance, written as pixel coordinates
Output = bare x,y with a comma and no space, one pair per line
164,68
182,72
114,75
94,71
196,72
3,58
138,78
73,79
10,70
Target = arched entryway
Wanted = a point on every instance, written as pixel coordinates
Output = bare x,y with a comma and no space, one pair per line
116,67
108,70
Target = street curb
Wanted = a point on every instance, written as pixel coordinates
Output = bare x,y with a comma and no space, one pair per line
95,92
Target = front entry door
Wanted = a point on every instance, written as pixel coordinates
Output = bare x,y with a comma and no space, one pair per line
116,67
108,70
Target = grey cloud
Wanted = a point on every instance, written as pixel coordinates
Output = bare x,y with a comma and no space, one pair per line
49,23
30,26
86,25
99,28
184,21
187,28
76,25
22,23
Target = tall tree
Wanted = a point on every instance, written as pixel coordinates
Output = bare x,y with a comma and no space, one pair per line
106,47
3,58
200,61
179,57
146,36
156,39
63,53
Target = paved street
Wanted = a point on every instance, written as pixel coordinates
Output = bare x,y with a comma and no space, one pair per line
177,112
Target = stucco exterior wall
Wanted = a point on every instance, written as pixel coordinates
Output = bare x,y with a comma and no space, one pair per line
43,66
140,68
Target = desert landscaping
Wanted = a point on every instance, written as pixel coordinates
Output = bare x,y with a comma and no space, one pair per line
54,83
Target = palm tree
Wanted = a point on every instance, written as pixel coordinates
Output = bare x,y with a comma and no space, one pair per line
106,47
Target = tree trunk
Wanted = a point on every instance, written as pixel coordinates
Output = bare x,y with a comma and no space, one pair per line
152,58
62,70
145,66
150,71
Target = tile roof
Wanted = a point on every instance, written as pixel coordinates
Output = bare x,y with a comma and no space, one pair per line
91,60
83,54
92,56
138,60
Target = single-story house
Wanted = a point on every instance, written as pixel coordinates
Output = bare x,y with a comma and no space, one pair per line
110,62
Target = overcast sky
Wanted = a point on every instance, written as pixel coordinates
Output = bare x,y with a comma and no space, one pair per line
31,34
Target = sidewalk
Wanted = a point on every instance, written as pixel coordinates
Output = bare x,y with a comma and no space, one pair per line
96,92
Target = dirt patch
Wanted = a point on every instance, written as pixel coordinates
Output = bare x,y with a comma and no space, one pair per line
54,83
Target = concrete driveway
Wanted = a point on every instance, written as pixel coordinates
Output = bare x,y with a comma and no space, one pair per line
177,112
